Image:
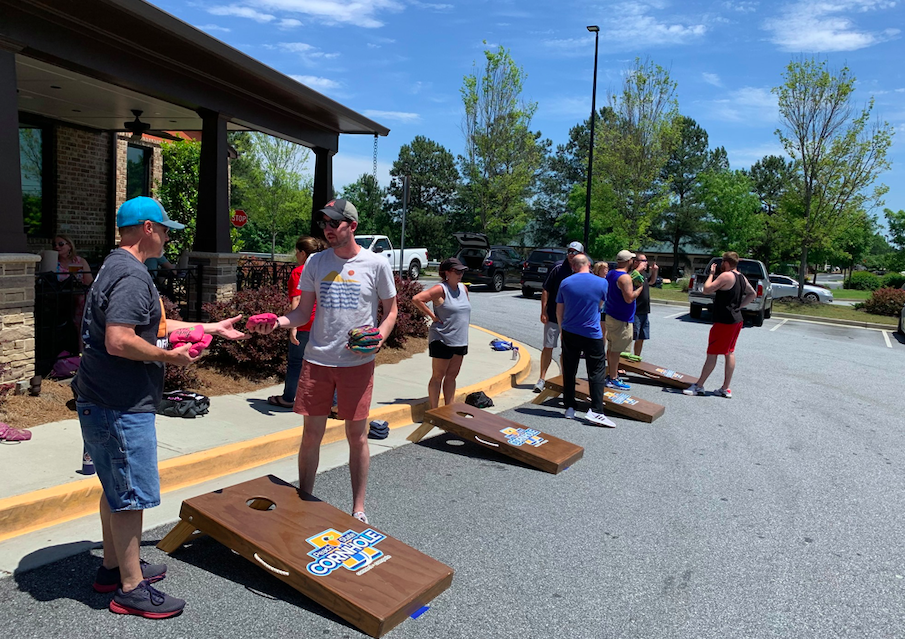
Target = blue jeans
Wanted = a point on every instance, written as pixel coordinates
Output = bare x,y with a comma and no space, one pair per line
294,366
123,447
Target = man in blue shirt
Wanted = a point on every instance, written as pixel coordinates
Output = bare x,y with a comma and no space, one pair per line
578,311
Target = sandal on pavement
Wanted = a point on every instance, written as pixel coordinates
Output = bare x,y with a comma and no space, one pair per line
10,434
277,400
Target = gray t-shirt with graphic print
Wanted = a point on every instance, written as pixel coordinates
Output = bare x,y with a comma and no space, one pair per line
348,293
122,293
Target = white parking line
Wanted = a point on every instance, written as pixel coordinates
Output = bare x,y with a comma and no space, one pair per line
780,324
676,315
886,337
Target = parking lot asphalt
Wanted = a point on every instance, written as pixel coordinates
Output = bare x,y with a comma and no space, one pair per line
774,514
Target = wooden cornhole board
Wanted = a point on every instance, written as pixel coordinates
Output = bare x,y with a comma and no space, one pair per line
663,375
362,575
527,445
613,401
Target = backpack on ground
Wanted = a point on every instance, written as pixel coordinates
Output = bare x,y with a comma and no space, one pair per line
500,345
478,399
183,404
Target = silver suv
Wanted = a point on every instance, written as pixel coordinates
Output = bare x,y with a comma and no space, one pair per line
754,271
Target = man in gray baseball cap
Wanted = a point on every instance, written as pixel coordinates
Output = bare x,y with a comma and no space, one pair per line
340,209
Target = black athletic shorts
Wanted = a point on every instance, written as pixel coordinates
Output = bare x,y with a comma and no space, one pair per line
441,351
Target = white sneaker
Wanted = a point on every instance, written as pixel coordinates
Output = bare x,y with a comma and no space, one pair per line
570,413
539,386
599,418
694,389
360,516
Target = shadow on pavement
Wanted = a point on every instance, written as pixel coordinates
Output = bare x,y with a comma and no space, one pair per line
899,337
214,558
261,406
449,443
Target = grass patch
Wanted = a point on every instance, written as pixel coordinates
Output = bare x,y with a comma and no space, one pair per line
674,294
850,294
829,311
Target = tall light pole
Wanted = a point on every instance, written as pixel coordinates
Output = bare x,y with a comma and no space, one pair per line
587,201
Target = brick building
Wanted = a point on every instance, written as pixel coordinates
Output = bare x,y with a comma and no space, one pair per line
69,81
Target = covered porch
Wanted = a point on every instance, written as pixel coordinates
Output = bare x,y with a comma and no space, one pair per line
72,75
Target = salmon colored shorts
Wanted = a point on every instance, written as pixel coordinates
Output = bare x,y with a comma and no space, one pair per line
353,386
723,338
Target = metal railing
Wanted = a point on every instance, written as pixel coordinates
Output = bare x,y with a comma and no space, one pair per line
183,288
257,273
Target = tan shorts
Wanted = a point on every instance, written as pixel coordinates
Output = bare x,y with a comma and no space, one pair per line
353,386
618,334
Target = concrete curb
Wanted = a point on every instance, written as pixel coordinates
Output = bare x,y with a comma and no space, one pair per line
39,509
804,318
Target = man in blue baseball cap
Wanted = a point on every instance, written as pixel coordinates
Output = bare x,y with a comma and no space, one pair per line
118,388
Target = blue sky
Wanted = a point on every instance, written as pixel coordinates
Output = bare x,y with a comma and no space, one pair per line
401,62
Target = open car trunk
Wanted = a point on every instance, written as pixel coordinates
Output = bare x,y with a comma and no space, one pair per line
473,248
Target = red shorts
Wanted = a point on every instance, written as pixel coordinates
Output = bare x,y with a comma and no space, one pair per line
353,386
723,338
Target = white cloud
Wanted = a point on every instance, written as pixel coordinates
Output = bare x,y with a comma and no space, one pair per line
823,26
630,26
289,23
240,12
309,54
362,13
432,6
213,27
393,116
741,7
317,83
748,105
712,78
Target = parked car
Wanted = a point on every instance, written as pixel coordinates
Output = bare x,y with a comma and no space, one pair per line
784,286
414,259
537,266
754,271
490,265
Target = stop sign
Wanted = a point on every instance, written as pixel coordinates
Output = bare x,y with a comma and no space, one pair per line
239,218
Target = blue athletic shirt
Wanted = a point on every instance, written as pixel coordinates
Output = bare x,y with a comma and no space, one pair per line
616,306
581,294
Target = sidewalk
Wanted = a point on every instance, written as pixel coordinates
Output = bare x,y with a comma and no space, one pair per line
39,485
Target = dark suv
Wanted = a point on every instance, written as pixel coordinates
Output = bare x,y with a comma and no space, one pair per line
490,265
536,267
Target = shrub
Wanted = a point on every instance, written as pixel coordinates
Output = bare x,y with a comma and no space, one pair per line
893,280
885,301
262,356
177,377
409,321
863,281
683,283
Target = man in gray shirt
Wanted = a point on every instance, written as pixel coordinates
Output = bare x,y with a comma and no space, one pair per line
118,388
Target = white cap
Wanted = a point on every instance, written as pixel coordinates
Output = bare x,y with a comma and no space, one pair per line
576,246
624,256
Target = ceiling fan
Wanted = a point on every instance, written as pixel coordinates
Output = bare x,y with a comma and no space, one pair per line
138,128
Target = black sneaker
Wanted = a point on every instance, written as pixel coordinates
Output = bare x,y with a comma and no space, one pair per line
146,601
108,579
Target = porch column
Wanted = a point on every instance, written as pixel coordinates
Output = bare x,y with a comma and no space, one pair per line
212,223
12,224
323,186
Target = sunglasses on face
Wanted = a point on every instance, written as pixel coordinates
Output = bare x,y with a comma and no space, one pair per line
60,244
572,252
333,224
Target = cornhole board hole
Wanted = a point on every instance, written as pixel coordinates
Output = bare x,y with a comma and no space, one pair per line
366,577
527,445
658,373
613,401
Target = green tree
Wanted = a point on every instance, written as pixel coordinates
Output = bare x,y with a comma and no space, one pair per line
838,151
683,219
178,191
433,187
634,145
772,180
369,199
895,220
501,153
732,210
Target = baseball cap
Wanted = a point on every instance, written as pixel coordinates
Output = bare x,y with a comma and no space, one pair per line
576,246
453,264
624,256
140,209
340,209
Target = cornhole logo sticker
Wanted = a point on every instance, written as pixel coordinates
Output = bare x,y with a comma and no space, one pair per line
668,373
523,436
621,398
352,550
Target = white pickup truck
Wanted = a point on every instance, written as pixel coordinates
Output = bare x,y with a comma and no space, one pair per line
413,259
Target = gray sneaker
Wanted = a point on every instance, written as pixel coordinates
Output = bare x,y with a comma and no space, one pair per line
694,389
599,418
146,601
539,387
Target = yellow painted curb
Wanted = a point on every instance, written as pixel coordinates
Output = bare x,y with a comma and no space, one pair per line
39,509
